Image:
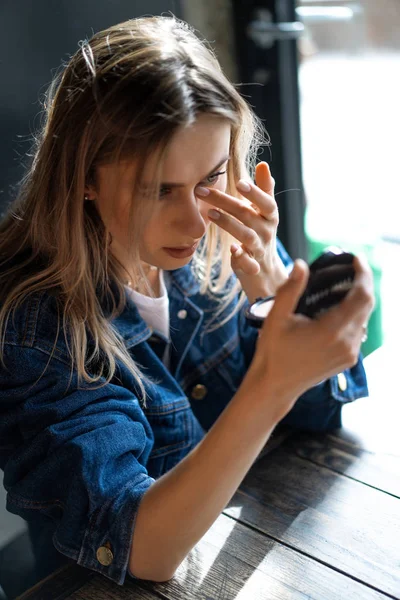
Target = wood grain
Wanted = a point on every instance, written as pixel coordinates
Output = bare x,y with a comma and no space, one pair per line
343,523
233,562
344,455
60,584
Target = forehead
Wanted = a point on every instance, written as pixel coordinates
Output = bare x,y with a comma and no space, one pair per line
191,154
197,149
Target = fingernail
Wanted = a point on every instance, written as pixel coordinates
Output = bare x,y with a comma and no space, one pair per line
214,214
243,186
202,191
238,251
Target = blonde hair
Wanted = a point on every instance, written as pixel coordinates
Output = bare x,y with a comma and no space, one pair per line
122,95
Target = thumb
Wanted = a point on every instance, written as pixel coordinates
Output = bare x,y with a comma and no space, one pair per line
290,292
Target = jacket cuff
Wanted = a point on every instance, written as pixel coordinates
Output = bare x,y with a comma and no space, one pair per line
320,408
107,540
350,384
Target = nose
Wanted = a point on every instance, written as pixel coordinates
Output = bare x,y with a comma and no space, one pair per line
192,218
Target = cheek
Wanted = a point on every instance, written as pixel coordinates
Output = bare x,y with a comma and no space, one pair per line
221,185
152,231
116,219
113,209
119,220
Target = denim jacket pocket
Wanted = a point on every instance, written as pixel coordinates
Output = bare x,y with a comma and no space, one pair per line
210,384
173,428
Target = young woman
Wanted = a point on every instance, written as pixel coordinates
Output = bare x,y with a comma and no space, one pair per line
134,396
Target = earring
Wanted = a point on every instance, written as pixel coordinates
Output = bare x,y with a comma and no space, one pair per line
86,197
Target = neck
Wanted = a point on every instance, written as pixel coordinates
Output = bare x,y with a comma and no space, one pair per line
152,275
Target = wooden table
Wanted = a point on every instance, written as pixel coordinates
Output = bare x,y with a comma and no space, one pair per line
318,517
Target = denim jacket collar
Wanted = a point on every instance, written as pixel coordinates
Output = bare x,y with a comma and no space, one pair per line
180,283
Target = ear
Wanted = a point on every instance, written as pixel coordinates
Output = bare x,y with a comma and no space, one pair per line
89,193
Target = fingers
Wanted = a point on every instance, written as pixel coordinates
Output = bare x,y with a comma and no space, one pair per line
263,201
348,320
264,180
260,202
262,194
229,204
363,287
242,262
363,276
290,292
358,304
241,232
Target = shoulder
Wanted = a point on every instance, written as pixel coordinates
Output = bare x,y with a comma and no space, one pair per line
36,322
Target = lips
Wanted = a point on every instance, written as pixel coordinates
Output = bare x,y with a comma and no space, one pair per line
182,247
184,252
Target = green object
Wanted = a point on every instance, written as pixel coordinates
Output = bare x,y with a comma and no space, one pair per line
371,249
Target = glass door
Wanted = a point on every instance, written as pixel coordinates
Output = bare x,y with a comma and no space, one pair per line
349,61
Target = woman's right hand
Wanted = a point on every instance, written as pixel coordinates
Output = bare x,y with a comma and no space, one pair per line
294,352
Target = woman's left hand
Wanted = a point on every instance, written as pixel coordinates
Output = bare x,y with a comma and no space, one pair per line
255,261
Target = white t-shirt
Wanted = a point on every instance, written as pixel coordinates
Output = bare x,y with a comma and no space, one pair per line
155,311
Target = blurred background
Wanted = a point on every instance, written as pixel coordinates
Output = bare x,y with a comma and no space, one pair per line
322,74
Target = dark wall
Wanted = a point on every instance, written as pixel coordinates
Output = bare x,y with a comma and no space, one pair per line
36,36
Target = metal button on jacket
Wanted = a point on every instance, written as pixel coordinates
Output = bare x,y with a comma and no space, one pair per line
182,314
199,391
342,382
104,556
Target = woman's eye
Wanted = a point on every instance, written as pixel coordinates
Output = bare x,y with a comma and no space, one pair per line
214,177
210,180
164,191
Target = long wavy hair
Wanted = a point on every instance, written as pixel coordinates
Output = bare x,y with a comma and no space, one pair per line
122,95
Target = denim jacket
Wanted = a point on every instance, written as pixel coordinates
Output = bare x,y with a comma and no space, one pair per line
77,460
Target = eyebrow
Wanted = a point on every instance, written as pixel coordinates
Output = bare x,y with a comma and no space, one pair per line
169,184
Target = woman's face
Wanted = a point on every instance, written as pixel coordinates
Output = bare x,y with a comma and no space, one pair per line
197,155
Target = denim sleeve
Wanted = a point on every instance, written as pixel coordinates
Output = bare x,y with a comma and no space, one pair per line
319,408
74,456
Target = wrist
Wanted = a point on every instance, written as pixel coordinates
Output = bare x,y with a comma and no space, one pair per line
268,394
274,276
280,274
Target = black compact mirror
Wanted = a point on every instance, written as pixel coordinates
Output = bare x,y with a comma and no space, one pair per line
331,277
